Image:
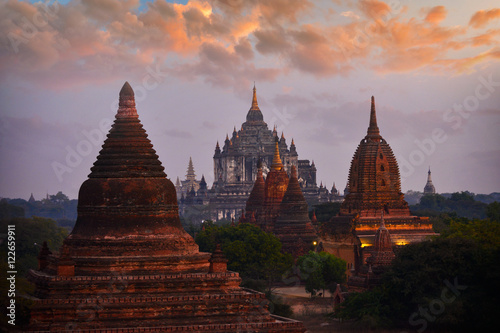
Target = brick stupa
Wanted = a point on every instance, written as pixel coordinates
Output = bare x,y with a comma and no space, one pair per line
293,226
274,190
129,266
374,187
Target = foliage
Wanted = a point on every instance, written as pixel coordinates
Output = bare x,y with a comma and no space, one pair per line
493,211
57,207
321,271
30,234
461,203
325,211
8,211
250,251
485,232
419,277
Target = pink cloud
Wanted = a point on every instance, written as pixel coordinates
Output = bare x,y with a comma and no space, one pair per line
436,14
482,17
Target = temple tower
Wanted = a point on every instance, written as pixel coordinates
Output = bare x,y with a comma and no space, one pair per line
374,187
129,265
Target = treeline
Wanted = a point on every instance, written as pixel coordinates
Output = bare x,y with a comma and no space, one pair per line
461,204
449,282
57,207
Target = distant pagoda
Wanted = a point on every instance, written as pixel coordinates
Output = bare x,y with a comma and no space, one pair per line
129,266
429,186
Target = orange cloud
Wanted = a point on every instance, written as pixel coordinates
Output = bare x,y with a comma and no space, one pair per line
482,17
374,9
436,15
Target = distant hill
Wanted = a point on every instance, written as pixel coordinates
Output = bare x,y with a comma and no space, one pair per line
57,207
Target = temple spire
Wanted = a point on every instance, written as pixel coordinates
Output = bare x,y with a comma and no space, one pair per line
255,105
373,130
190,171
382,222
277,164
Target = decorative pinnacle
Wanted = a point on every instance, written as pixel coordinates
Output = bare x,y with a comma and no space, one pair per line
293,143
282,135
255,105
277,164
373,130
382,222
126,105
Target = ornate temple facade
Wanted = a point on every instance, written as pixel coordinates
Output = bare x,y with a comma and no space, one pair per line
129,266
429,186
235,164
374,187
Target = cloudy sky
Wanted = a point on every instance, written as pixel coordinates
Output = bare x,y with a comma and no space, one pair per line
433,67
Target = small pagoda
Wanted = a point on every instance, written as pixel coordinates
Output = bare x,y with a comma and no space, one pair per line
129,266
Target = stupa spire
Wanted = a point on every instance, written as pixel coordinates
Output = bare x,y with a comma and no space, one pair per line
126,105
255,105
373,130
277,164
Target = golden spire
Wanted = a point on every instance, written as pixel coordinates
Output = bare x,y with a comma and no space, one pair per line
255,105
277,164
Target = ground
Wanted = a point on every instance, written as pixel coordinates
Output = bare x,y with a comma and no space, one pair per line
313,312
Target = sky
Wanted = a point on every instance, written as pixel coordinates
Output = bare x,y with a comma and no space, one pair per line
433,67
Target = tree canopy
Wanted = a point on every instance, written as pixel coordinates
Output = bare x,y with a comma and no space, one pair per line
449,282
321,271
250,251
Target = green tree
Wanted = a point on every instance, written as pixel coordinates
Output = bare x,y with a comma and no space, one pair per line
321,271
493,211
253,253
325,211
485,232
8,211
419,277
30,233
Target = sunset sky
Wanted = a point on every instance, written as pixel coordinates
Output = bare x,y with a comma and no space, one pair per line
433,67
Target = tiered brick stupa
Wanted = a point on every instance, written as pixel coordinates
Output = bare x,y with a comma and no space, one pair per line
374,187
293,226
274,190
257,197
129,266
